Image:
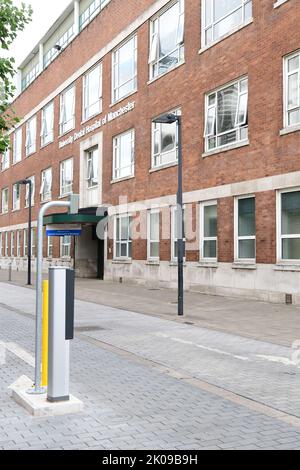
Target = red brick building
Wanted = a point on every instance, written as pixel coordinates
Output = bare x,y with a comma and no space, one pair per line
88,95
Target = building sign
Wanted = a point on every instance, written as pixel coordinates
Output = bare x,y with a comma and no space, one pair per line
97,124
63,230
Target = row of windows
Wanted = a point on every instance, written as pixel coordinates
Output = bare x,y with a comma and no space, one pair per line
14,245
244,230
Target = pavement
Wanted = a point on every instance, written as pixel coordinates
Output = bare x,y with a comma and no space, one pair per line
149,381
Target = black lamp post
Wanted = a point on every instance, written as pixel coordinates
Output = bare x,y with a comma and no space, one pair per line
171,119
29,182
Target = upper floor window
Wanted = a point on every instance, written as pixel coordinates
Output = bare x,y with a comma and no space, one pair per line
47,125
125,69
5,159
67,111
245,229
164,143
289,226
123,158
17,153
292,92
46,185
208,231
167,39
227,115
66,177
5,201
92,167
32,179
16,197
220,17
30,144
92,93
91,11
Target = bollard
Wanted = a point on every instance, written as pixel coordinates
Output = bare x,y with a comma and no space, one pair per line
45,334
61,331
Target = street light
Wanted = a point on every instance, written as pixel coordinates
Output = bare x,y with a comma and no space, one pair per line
29,182
171,118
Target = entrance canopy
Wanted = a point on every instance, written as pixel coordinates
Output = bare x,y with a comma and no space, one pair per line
85,216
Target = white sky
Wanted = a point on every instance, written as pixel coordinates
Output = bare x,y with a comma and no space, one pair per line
44,14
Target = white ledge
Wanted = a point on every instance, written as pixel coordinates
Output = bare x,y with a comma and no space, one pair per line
121,261
154,79
226,148
251,266
208,264
119,180
290,129
279,3
287,267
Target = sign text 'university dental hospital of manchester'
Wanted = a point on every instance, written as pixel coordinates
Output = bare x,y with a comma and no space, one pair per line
97,124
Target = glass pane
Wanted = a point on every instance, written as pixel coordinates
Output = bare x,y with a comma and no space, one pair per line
294,117
293,63
290,213
229,138
154,250
291,248
126,154
168,136
247,249
124,250
227,105
293,90
227,24
168,24
210,249
224,7
124,228
210,221
242,111
246,217
248,11
154,226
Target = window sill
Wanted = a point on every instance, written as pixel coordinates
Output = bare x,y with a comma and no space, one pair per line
122,261
163,167
208,264
241,265
175,263
150,262
46,200
15,210
290,130
46,145
63,196
16,163
4,169
226,148
119,180
123,98
279,3
29,154
233,31
66,133
287,267
165,73
84,121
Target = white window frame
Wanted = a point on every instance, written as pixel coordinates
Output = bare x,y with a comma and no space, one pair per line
238,238
86,115
5,159
16,190
25,242
153,59
202,237
1,244
18,243
92,183
117,157
12,244
30,143
174,239
205,27
286,74
5,190
63,123
279,235
211,113
50,247
48,195
47,128
157,128
66,189
17,147
63,245
33,240
32,179
6,245
149,240
127,242
116,85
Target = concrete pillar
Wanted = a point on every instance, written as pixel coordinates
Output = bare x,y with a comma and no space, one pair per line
76,17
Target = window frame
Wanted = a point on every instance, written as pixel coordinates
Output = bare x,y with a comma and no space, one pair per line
62,123
115,97
17,156
279,236
6,245
12,244
116,170
5,159
89,161
43,136
174,239
202,237
18,243
149,240
1,244
85,86
286,74
30,148
5,190
48,196
32,179
50,247
129,240
160,155
238,238
25,242
16,191
62,187
63,245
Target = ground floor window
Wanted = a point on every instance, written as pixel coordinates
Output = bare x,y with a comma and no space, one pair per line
176,232
25,243
1,245
208,231
49,247
65,247
245,229
123,237
6,244
18,244
153,235
12,244
289,242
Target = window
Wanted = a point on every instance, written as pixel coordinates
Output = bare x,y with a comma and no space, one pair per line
208,231
32,179
25,243
91,11
47,124
123,237
123,159
18,243
1,245
17,153
176,232
153,234
292,90
46,185
16,197
124,63
65,247
92,93
164,143
32,242
66,177
63,41
6,244
220,17
227,115
167,39
30,77
49,247
5,201
67,111
289,226
5,160
12,244
30,145
245,229
92,167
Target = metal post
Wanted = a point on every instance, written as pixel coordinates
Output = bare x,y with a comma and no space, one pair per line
29,236
180,221
39,288
9,272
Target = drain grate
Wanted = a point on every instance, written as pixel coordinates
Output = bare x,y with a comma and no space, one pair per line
85,329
